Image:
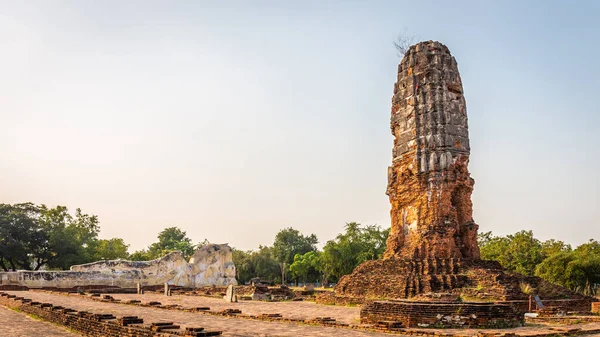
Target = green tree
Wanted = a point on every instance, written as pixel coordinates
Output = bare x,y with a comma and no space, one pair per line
592,247
171,239
140,255
71,239
265,265
305,267
34,236
578,270
289,242
552,247
357,244
20,236
520,252
243,265
110,249
554,268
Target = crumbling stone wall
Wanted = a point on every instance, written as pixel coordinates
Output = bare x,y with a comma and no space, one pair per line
211,264
429,185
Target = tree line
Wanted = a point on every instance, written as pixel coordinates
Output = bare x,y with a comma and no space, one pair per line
34,237
553,260
295,257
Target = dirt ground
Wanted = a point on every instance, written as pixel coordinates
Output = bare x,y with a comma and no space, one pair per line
16,324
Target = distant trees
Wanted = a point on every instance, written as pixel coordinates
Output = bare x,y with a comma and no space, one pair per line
519,252
289,243
170,239
578,269
110,249
552,260
304,262
307,267
349,249
35,236
260,263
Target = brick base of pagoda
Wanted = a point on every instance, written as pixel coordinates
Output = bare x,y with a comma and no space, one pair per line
462,280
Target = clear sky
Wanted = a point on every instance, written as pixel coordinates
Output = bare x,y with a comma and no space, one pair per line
234,119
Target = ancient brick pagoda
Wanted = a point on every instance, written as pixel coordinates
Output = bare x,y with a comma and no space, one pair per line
428,183
432,252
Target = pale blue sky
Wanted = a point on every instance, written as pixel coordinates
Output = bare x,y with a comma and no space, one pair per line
234,119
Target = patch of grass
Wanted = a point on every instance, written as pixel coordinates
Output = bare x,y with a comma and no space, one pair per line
480,287
526,288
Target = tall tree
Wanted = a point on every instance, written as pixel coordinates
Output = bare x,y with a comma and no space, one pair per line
265,264
357,244
520,252
289,242
305,267
171,239
72,239
20,235
578,270
110,249
243,265
34,236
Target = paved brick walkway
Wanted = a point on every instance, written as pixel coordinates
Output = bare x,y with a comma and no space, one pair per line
244,327
230,326
15,324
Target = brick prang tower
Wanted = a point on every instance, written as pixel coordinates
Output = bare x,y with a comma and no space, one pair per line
429,185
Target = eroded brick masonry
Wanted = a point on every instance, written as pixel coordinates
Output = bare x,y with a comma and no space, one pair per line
429,185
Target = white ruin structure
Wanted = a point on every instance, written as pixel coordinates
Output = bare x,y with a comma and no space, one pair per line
211,264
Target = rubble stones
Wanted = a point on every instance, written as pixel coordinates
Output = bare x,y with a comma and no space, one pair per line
230,295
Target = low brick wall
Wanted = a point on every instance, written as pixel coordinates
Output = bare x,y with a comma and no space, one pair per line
565,320
330,298
442,314
580,305
90,324
596,307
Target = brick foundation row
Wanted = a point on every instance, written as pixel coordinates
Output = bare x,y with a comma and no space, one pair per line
442,315
93,324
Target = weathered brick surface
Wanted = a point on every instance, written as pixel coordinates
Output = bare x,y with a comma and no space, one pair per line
299,318
429,185
275,317
94,324
432,245
596,307
446,315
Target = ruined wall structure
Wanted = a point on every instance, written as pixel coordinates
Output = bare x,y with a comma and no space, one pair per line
211,264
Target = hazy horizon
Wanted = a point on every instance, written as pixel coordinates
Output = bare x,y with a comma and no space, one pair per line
232,120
